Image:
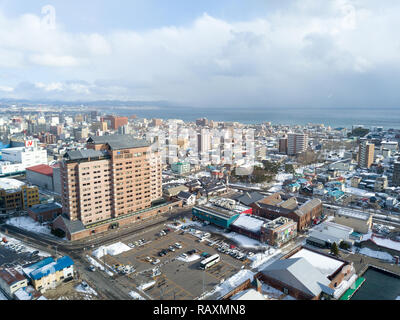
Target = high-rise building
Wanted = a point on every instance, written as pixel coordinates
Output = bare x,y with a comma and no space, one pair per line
116,176
114,122
283,145
366,154
396,174
297,143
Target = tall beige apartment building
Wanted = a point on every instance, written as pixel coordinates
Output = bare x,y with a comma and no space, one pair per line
366,154
116,176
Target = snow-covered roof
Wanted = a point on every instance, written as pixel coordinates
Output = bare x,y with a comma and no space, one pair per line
249,223
10,184
249,294
325,264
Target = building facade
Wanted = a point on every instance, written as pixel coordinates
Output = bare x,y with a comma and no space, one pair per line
116,176
366,154
297,143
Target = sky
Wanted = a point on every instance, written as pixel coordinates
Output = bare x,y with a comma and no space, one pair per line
232,54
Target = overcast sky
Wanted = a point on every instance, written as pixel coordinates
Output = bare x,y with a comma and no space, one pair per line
203,53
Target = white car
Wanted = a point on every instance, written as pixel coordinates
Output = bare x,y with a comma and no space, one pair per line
178,245
157,261
148,259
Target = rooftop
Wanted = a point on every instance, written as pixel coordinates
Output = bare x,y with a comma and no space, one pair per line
354,214
118,141
10,184
42,169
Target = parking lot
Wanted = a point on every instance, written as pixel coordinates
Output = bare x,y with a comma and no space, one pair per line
13,256
180,279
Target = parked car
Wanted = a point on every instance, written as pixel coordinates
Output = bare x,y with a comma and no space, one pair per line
178,245
161,254
92,268
148,259
157,261
171,248
131,245
84,284
191,252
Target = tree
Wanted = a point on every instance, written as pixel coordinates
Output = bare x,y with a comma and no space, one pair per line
343,245
334,249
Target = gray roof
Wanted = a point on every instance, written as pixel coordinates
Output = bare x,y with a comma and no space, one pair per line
249,198
83,154
300,274
119,141
72,226
39,208
184,195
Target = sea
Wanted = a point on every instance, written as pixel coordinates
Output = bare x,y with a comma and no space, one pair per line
378,286
335,117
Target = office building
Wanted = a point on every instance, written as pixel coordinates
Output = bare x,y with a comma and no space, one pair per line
115,122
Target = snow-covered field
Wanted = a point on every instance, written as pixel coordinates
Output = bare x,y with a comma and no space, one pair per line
136,296
112,250
27,223
376,254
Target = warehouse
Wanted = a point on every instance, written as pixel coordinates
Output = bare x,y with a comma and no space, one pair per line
217,216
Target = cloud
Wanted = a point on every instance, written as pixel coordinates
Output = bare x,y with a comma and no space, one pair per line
312,53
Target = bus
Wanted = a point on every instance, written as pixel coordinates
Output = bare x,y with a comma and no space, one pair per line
209,262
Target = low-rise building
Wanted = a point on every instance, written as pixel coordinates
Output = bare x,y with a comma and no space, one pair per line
48,273
279,231
180,167
309,275
45,212
16,195
11,281
45,176
327,233
360,221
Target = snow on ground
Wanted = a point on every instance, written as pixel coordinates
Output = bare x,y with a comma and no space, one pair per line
190,258
376,254
344,285
260,259
24,247
281,177
359,192
324,264
387,243
272,293
98,265
2,296
146,285
27,223
136,296
231,283
112,250
88,290
243,241
275,188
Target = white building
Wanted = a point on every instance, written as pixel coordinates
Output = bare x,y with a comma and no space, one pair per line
297,143
16,160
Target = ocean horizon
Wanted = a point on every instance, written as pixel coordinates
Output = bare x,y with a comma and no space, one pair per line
334,117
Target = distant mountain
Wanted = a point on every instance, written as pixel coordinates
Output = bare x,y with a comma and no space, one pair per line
99,103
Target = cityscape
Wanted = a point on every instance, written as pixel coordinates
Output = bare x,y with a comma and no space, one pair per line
142,199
